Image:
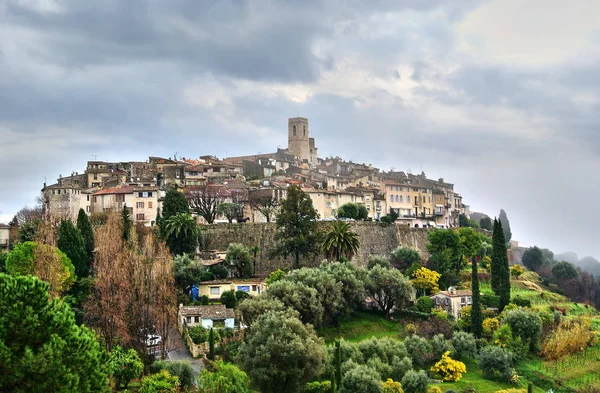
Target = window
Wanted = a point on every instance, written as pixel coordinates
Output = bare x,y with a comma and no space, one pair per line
253,288
215,290
397,198
150,194
196,319
423,198
149,205
463,300
392,198
401,199
139,216
294,130
95,199
408,199
140,194
58,192
140,205
95,176
304,130
87,208
188,319
120,197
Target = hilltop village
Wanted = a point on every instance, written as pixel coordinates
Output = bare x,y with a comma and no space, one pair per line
251,182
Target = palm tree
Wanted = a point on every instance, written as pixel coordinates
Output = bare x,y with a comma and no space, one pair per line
182,233
340,241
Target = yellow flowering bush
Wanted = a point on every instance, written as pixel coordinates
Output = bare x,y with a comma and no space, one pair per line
516,271
512,391
426,280
391,386
449,369
490,325
434,389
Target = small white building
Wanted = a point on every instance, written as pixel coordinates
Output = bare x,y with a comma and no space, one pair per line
216,315
453,301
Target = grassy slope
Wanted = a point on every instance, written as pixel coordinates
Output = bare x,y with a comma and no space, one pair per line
362,326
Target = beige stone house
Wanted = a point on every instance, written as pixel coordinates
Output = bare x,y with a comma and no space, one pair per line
4,236
141,201
453,300
214,289
209,316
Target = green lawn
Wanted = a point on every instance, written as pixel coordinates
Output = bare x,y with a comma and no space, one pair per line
474,379
362,326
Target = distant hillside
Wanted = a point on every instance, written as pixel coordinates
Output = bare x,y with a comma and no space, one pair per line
590,265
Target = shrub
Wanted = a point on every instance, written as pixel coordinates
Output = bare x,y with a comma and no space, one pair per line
434,389
490,300
403,257
415,382
204,300
449,369
241,295
181,369
221,377
511,391
390,386
425,304
570,337
525,324
411,329
440,345
418,348
496,363
383,348
125,365
163,382
229,299
198,334
465,345
361,378
378,260
400,366
521,302
490,325
504,337
317,387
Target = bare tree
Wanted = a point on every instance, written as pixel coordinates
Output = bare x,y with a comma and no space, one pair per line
264,202
29,214
204,200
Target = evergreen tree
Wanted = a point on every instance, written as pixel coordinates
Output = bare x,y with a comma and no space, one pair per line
174,203
499,269
297,235
85,227
41,347
505,225
476,315
127,223
72,244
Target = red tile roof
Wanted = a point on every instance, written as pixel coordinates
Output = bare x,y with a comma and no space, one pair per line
115,190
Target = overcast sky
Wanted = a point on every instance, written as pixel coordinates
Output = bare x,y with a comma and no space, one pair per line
500,97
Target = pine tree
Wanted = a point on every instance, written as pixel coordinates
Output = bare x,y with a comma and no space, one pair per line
85,227
499,269
72,244
476,315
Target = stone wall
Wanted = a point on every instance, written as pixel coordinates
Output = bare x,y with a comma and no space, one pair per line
375,239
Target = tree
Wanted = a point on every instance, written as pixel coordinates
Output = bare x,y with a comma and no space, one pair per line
445,255
299,297
465,222
125,365
499,268
340,241
231,211
503,218
426,281
533,258
188,271
402,257
496,362
239,260
223,378
71,242
297,235
348,210
204,200
525,324
264,202
41,347
228,299
181,232
352,283
465,345
44,261
486,223
415,382
28,231
251,309
378,260
388,288
361,378
476,314
174,203
85,228
564,271
163,382
281,354
449,369
363,213
29,215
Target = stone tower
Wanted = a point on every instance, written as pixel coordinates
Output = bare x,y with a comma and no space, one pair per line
298,141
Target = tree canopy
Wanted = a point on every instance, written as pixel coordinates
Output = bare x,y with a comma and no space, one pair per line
41,347
503,218
388,288
240,261
339,241
71,242
85,228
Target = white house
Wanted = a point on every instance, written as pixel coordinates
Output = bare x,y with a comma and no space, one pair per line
453,301
217,316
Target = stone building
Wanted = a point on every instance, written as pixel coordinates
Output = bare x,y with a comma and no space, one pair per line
4,236
453,301
299,142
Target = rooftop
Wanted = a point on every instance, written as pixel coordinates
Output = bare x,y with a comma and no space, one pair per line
216,311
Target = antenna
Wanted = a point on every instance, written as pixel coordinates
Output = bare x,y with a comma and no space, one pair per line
95,156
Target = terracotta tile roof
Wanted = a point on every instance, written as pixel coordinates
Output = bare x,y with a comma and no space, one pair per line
115,190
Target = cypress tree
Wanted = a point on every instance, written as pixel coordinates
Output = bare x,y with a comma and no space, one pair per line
476,315
499,269
503,219
127,223
211,345
338,363
85,227
72,244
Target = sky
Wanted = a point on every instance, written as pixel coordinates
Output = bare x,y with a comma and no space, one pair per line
499,97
